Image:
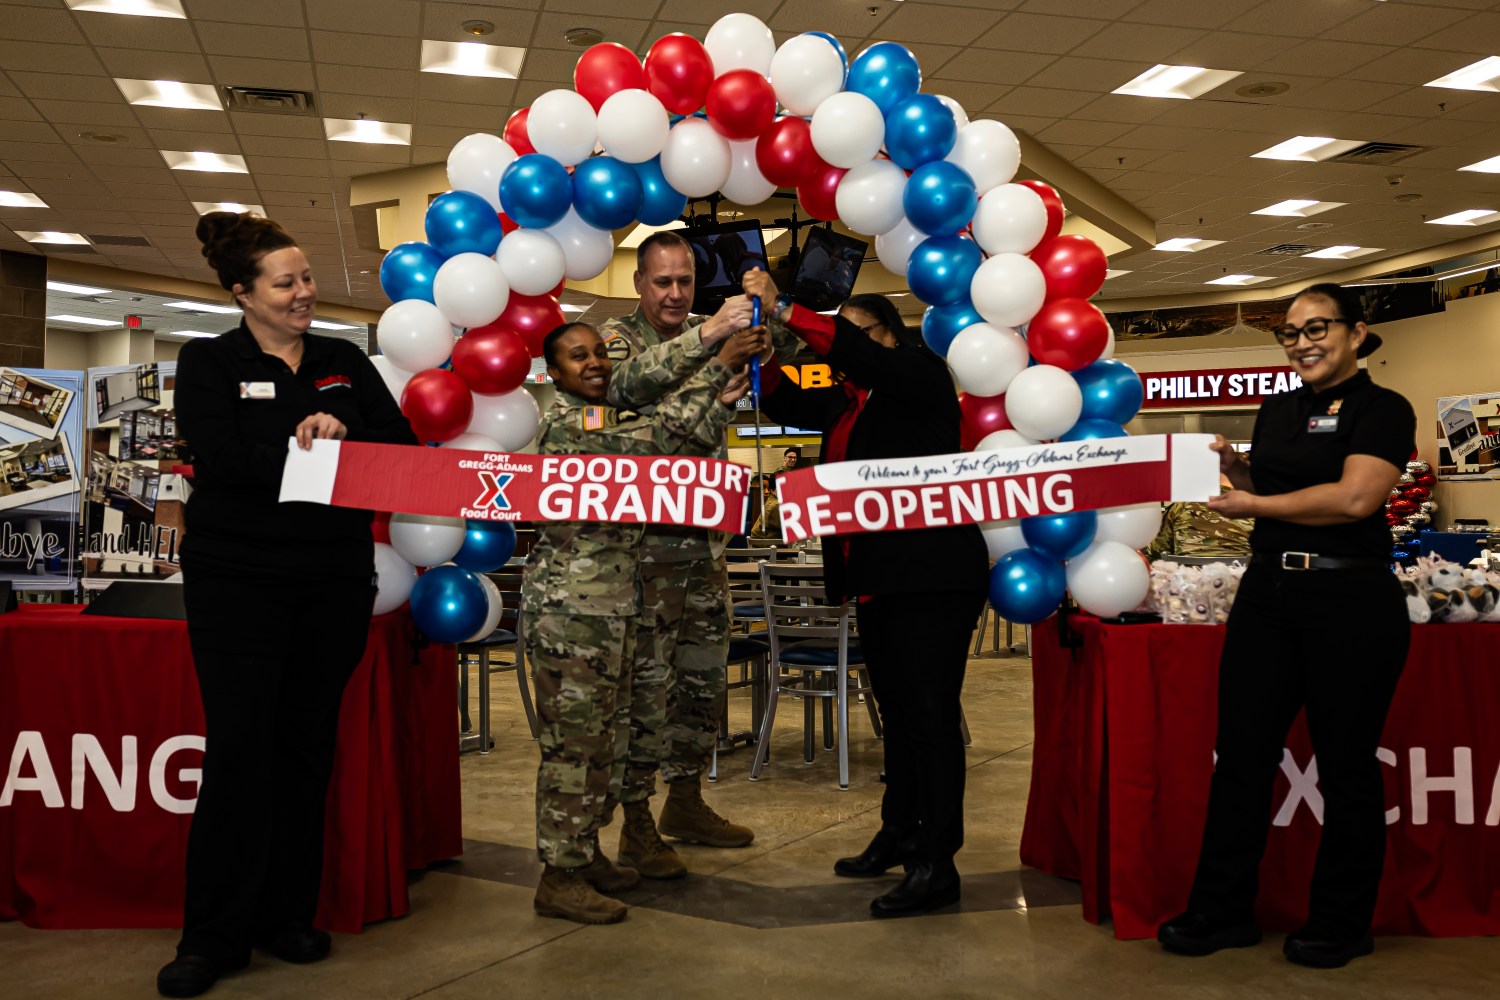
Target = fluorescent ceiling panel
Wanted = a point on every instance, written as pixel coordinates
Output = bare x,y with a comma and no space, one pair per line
212,163
1298,208
201,307
323,324
82,320
170,94
136,8
638,235
1180,82
51,236
1111,273
1342,252
1186,244
1490,166
367,130
1308,148
1482,75
20,199
68,289
204,207
1238,279
1471,217
498,62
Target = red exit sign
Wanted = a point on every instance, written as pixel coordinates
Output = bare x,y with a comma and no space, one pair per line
132,322
1217,386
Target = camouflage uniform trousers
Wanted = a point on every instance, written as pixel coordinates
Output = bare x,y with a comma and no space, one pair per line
582,669
679,675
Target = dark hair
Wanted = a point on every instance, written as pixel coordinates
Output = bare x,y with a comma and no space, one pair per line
549,343
885,311
664,238
234,243
793,450
1351,306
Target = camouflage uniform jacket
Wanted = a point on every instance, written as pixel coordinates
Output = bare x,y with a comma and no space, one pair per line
1193,529
589,568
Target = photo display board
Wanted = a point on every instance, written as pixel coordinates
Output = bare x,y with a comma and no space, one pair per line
41,476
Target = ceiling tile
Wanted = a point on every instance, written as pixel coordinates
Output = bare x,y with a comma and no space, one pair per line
1082,8
271,12
44,56
289,126
105,156
1151,42
1041,101
260,165
384,109
235,71
1342,95
17,109
130,64
982,66
342,48
970,96
163,34
1478,35
1405,21
265,145
1327,58
1099,76
1122,108
1026,32
216,122
37,152
256,42
380,17
474,91
1191,13
443,22
921,23
628,32
117,113
374,82
545,65
847,19
1229,50
36,24
1293,18
1413,66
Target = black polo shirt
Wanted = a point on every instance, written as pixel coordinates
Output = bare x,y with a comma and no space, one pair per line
237,406
1301,439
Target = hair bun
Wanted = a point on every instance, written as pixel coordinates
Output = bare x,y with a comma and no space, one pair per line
234,242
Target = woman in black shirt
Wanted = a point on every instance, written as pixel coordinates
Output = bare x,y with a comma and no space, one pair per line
1323,459
278,600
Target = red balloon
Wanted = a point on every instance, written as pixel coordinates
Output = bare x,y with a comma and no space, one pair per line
491,359
1401,507
507,225
982,416
784,152
679,72
381,527
1417,493
515,133
556,293
1426,479
816,193
532,317
1068,333
1073,266
741,104
606,69
1054,204
438,404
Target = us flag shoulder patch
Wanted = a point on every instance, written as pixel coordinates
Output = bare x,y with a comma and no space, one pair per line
593,418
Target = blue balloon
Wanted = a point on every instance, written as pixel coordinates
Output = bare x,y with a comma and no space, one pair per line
1111,391
660,202
1060,536
488,545
1092,429
462,222
535,191
1026,586
940,324
940,198
408,270
449,604
886,73
607,194
941,269
921,129
838,47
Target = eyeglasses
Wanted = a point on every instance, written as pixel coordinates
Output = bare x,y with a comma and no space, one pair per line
873,326
1314,330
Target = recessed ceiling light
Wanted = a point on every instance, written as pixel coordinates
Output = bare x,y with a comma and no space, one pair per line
1490,166
201,307
1238,279
1186,244
66,239
1342,252
82,320
20,199
1111,273
170,94
1308,148
773,234
1298,208
212,163
204,207
323,324
367,130
638,235
1181,82
188,333
137,8
63,286
500,62
1483,75
1472,217
573,310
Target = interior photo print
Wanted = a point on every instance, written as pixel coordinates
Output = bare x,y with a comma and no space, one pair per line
31,404
121,391
34,468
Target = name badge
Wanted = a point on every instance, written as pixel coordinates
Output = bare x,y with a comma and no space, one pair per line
1322,425
257,390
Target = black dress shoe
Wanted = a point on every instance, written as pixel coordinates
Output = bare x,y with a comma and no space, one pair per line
1194,934
298,945
887,850
1319,951
187,976
927,887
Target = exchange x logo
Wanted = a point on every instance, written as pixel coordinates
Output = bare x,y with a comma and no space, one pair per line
494,490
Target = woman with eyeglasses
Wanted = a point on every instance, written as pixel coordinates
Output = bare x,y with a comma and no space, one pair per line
1325,457
919,592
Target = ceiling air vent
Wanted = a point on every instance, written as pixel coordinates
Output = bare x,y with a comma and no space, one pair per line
1379,154
119,241
268,101
1288,250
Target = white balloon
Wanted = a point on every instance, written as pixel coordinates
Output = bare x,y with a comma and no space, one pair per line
424,540
532,260
985,358
1008,289
740,41
1043,402
746,184
394,578
989,152
1002,537
894,249
960,116
1011,218
562,125
470,289
847,129
869,195
1108,578
511,419
496,608
1135,525
633,126
395,379
1000,440
473,442
696,159
586,250
414,335
1109,345
805,72
476,163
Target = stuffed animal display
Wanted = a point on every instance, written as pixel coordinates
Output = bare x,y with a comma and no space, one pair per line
1441,591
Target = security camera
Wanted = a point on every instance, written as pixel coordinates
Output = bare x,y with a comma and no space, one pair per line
1395,180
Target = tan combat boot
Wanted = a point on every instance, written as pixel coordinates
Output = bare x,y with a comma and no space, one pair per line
687,817
606,876
641,846
566,893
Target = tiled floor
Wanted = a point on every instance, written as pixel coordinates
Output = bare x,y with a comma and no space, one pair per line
770,920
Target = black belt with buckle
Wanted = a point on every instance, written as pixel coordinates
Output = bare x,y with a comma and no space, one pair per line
1311,560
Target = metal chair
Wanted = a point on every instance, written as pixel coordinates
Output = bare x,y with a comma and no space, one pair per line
750,656
745,606
507,634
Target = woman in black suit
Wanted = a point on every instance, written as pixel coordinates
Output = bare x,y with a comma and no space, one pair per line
919,592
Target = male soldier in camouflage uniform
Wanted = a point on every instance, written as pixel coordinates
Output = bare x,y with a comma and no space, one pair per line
582,595
1192,529
684,586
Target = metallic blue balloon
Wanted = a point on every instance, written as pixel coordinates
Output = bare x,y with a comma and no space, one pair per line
660,202
488,545
1060,536
535,191
940,324
1092,429
462,222
920,129
940,198
1111,391
1026,586
448,603
941,269
607,194
886,73
408,270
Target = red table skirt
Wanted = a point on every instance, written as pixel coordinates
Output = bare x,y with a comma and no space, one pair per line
101,736
1125,728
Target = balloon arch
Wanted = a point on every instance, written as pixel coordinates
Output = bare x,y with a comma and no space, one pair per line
1007,296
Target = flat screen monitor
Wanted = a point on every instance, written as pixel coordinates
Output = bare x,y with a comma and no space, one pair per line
826,273
721,256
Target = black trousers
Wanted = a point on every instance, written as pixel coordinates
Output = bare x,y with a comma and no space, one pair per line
272,656
916,647
1333,642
